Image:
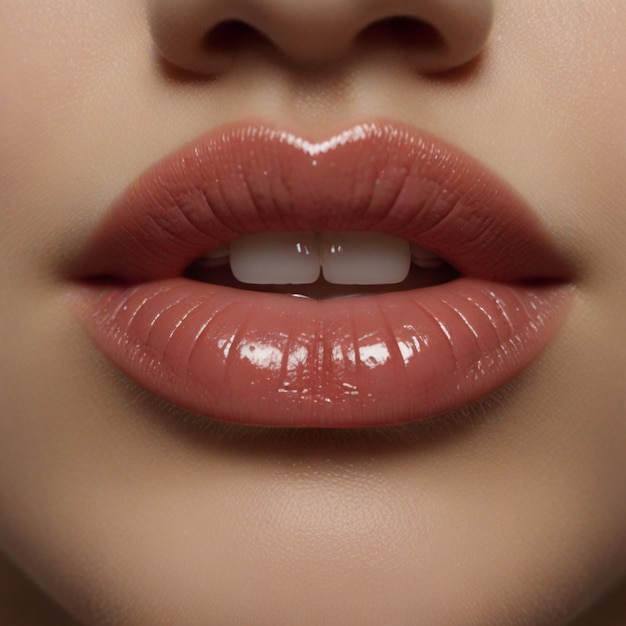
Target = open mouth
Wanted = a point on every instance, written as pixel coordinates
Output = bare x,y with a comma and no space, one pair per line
425,282
321,265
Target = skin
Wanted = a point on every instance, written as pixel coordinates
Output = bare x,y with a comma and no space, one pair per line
117,509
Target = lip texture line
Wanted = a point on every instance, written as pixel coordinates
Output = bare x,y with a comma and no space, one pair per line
273,360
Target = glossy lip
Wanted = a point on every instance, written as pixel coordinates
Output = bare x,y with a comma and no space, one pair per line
274,360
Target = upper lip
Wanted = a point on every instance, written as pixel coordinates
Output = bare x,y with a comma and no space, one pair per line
378,176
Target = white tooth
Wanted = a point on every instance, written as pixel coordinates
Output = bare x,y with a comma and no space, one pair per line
275,258
425,258
364,258
217,257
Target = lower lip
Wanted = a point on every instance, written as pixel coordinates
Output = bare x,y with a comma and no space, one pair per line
275,360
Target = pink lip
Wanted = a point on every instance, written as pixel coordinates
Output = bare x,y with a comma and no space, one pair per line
273,360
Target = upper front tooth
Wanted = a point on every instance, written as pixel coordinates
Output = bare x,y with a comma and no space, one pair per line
275,258
345,258
364,258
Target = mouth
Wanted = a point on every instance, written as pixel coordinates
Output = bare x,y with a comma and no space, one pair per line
425,282
321,265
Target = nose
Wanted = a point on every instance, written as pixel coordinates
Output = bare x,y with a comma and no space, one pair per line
203,35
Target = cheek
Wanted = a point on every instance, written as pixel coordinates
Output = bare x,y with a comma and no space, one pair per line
560,68
55,61
59,65
592,99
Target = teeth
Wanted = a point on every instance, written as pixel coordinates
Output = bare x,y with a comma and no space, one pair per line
425,258
217,257
344,258
362,258
275,258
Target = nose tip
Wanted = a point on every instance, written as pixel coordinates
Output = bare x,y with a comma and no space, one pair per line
202,36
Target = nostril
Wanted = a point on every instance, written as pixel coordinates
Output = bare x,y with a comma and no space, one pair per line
405,33
233,35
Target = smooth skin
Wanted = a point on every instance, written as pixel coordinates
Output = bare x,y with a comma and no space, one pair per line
118,509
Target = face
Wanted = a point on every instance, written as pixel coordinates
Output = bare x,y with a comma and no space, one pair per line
158,483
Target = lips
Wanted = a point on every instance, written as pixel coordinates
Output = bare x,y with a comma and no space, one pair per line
269,359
